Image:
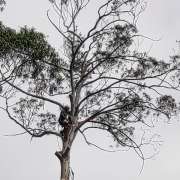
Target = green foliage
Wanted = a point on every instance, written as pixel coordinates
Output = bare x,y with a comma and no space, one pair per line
31,58
2,5
32,64
106,83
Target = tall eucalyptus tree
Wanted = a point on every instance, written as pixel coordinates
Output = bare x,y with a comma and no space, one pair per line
98,76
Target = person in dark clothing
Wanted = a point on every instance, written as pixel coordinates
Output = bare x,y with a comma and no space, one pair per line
64,116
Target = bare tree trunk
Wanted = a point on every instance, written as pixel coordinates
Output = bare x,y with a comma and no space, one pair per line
64,155
65,167
68,135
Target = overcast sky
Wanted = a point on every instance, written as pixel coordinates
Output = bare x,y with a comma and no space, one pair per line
21,159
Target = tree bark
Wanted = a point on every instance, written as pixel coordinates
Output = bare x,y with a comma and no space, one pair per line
65,167
65,164
68,134
64,155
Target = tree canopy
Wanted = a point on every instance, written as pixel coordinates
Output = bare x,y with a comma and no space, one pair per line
105,82
2,4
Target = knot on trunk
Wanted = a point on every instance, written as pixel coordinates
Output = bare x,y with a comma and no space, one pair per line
59,155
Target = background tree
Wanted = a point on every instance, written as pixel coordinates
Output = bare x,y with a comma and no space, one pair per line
2,4
106,84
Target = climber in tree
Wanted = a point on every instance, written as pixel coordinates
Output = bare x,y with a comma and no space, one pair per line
64,116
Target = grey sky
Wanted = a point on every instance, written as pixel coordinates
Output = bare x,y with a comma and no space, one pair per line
21,159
